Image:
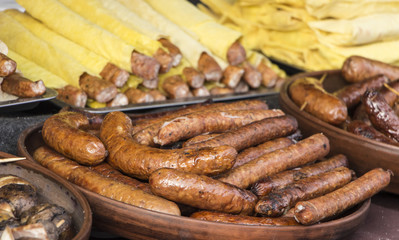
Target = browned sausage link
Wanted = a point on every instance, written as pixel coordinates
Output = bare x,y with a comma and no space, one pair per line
363,129
352,94
305,151
200,92
282,179
138,160
251,153
194,78
252,76
106,170
114,74
61,132
175,87
107,187
239,105
119,100
193,124
20,86
318,102
276,203
199,138
236,54
164,59
174,51
150,83
96,88
232,76
269,76
135,95
242,87
390,96
253,134
144,66
210,68
317,209
245,220
381,115
357,69
72,95
201,192
157,95
221,91
7,65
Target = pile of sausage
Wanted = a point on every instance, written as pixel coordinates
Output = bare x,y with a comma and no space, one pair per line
367,106
237,162
14,83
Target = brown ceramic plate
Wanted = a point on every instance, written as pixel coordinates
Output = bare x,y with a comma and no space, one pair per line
56,190
138,223
364,154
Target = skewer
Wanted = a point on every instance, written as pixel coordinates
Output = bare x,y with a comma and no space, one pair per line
13,159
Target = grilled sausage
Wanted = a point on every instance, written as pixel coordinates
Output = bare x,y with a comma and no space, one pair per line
365,130
210,68
119,100
135,95
251,153
114,74
305,151
138,160
200,138
276,203
61,132
7,65
97,88
253,134
194,78
269,77
252,76
175,87
236,54
92,181
201,191
174,51
157,95
282,179
317,209
20,86
352,94
232,76
164,59
357,69
200,92
197,123
319,103
72,95
245,220
242,87
381,115
144,66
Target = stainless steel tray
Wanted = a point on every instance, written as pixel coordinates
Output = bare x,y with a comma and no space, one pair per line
21,104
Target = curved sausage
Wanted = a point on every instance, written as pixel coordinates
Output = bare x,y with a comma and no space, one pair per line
92,181
200,138
201,192
318,102
140,160
305,151
61,132
317,209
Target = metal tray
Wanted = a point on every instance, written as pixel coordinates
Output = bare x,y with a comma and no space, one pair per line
21,104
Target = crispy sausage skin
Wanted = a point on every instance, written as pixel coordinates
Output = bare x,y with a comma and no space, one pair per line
7,65
253,134
61,132
96,88
278,202
72,95
318,102
251,153
381,115
305,151
282,179
219,121
317,209
363,129
92,181
245,220
352,94
140,161
20,86
236,54
357,69
114,74
201,191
